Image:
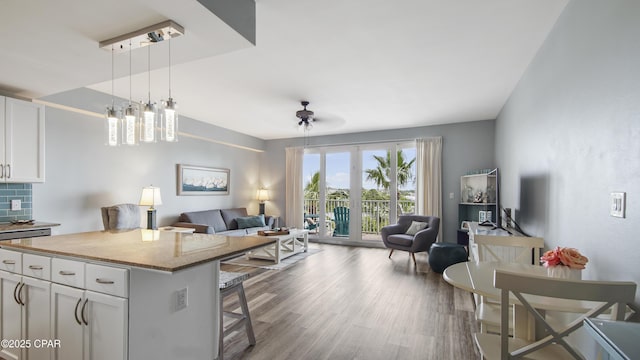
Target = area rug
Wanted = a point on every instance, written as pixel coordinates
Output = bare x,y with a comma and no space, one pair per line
266,264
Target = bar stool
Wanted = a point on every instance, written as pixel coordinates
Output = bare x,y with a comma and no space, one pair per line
229,283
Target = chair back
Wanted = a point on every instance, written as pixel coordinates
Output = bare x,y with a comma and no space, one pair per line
309,222
341,218
513,249
121,217
606,294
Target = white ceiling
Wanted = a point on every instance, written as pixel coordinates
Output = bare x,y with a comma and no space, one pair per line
363,64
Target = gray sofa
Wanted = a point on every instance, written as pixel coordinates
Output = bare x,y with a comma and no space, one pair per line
231,222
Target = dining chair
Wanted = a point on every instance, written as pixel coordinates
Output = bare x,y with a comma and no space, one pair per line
506,249
604,294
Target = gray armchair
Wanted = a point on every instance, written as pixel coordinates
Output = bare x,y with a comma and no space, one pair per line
396,238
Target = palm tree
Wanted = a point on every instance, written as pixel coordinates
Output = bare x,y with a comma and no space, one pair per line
381,174
312,189
312,192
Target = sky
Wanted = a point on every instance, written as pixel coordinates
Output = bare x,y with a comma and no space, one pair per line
338,167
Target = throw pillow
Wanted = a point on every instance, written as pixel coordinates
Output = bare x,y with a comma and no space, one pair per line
250,221
415,227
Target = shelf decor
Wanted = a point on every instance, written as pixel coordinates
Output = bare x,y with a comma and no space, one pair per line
563,262
199,180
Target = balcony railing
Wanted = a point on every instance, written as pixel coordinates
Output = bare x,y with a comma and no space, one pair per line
375,213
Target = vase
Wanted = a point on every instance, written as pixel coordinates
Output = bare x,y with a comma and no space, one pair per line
564,272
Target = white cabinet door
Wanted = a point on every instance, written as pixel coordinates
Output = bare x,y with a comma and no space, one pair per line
3,135
10,313
66,321
106,324
36,315
24,141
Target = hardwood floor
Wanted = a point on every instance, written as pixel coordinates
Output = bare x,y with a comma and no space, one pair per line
354,303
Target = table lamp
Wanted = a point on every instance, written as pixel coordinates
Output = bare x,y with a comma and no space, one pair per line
263,195
151,197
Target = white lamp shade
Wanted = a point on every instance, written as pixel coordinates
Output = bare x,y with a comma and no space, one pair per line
150,196
263,195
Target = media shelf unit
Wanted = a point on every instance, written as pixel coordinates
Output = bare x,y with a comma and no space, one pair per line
478,193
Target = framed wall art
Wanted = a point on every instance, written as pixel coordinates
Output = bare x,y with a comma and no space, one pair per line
200,180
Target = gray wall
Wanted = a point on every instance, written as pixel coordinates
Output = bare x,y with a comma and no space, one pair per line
466,146
82,174
568,137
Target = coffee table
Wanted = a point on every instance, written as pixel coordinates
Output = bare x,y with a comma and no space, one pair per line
295,242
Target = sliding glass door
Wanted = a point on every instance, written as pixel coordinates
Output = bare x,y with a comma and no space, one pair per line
351,192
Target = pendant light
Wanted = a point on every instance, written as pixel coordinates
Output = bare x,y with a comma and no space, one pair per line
111,115
129,120
169,114
138,121
148,120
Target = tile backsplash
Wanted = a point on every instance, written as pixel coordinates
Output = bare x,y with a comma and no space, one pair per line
20,192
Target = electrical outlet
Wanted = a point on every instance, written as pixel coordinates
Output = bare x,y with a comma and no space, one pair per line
618,200
182,299
16,205
451,195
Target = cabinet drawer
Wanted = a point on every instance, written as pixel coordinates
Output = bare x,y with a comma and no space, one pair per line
108,280
36,266
67,272
11,261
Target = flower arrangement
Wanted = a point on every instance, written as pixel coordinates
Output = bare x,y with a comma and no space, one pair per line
564,256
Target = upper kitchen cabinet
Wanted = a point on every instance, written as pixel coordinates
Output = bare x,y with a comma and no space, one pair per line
21,141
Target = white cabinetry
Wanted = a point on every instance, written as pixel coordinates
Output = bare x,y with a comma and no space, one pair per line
90,325
11,327
21,141
44,298
24,305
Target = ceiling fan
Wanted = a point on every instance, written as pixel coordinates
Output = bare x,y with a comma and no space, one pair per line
305,116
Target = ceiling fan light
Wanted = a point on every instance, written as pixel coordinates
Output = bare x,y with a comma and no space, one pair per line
305,116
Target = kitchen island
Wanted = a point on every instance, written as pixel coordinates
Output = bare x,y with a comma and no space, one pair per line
138,294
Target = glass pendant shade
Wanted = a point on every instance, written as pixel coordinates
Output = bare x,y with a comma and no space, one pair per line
129,126
112,127
169,121
148,123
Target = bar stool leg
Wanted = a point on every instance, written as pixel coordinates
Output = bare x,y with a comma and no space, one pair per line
245,311
221,337
243,319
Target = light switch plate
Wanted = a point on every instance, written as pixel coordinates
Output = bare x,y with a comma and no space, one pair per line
16,204
618,204
182,299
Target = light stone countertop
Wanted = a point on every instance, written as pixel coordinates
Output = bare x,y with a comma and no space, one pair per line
152,249
9,227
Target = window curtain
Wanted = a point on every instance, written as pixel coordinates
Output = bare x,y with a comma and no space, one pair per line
294,196
429,178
